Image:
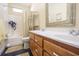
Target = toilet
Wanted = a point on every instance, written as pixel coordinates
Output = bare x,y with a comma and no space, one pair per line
13,40
25,42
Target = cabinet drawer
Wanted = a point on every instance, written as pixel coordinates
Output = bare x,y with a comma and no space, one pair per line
48,47
56,50
38,40
31,35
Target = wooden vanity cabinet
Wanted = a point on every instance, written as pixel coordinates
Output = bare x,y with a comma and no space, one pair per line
36,50
43,46
36,45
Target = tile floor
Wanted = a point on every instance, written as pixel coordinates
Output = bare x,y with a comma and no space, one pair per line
24,54
14,48
17,51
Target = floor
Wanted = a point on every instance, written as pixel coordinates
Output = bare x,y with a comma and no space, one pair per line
17,51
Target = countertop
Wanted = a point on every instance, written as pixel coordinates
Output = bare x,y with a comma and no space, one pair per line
63,37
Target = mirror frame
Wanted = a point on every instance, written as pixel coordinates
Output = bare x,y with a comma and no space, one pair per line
72,18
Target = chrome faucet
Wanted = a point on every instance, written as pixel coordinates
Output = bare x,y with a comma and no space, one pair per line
74,32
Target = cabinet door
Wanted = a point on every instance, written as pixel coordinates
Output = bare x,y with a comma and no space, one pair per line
56,50
49,47
38,40
32,47
36,50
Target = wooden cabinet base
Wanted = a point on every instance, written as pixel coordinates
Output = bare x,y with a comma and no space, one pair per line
36,50
43,46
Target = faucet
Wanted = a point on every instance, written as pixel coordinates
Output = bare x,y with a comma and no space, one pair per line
42,29
71,31
74,32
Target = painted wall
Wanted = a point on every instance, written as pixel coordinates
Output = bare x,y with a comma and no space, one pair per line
40,8
77,15
3,17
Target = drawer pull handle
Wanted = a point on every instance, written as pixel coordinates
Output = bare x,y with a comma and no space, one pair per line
55,54
36,50
36,40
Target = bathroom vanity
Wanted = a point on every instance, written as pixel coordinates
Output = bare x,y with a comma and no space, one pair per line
49,44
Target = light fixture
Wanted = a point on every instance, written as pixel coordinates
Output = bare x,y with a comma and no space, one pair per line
35,7
17,10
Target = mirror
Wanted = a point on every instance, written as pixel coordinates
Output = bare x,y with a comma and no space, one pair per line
61,14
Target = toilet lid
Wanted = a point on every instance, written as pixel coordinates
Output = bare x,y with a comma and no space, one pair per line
25,38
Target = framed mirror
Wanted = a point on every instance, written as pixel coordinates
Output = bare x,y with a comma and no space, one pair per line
60,14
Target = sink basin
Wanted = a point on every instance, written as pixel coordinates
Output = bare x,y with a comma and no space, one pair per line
55,33
69,39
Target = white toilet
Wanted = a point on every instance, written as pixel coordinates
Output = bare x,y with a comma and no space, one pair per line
13,40
25,42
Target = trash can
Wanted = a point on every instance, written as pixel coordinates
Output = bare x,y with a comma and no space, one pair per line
25,42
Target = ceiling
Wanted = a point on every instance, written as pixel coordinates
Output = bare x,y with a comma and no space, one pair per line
20,5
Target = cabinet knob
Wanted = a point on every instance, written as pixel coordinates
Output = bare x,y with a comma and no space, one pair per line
36,50
54,53
36,40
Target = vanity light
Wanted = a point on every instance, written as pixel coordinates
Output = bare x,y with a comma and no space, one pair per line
17,10
35,7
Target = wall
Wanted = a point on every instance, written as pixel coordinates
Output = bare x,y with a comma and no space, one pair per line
27,13
77,15
3,17
40,8
42,16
